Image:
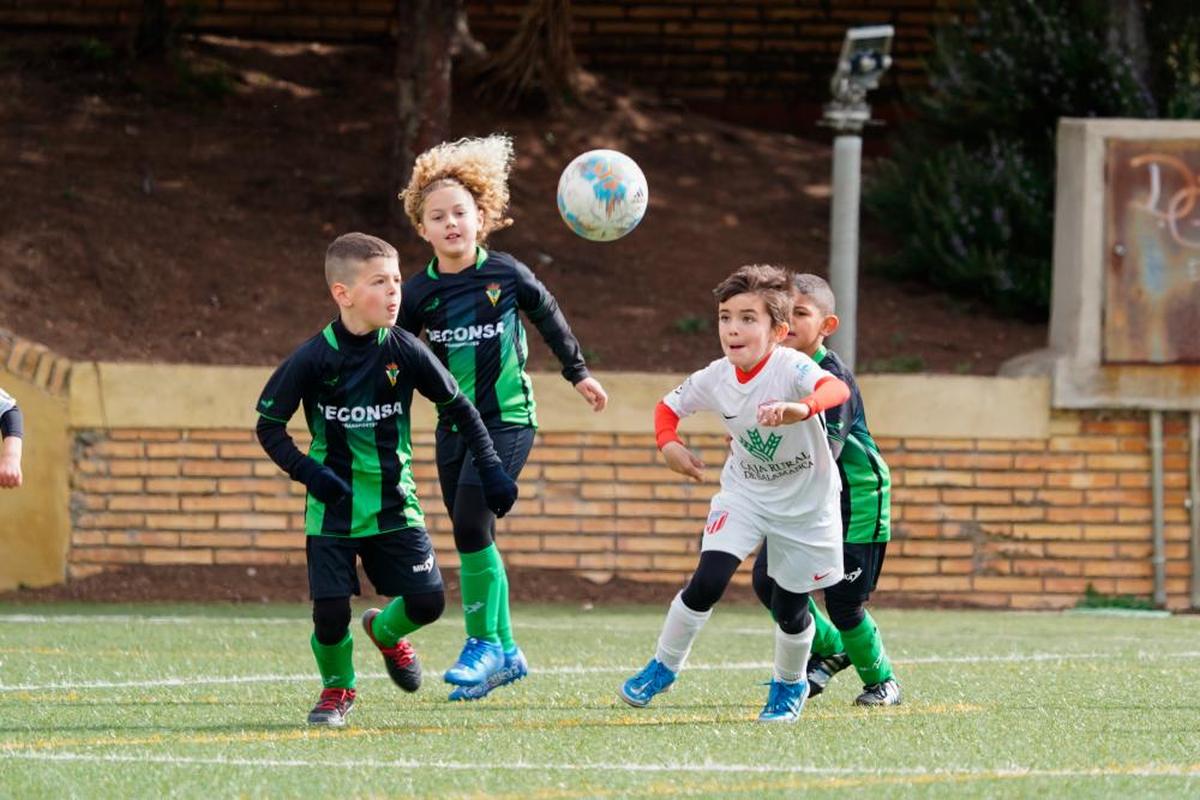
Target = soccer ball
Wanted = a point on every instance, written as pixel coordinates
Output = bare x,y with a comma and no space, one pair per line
602,195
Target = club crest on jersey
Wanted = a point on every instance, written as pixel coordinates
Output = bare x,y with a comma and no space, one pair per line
493,293
393,372
716,521
762,449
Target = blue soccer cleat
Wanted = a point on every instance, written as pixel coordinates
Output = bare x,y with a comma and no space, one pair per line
515,667
476,663
639,690
784,702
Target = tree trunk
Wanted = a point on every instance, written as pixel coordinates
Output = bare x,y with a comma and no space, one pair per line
537,66
426,32
153,30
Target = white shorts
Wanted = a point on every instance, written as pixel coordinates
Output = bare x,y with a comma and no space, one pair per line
806,553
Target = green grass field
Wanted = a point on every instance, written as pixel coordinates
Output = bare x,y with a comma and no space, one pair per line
210,701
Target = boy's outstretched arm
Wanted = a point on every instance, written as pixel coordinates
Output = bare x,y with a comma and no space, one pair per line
675,453
543,311
322,482
829,392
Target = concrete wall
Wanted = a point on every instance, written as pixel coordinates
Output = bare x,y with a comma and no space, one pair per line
998,500
35,520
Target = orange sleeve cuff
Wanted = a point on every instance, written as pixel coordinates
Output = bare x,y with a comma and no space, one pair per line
828,392
666,425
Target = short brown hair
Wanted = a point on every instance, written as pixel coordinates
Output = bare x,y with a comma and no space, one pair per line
769,283
816,289
347,253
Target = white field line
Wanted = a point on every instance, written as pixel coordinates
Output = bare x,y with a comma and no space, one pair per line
578,669
706,766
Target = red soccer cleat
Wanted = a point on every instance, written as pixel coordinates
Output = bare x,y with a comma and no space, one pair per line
401,661
331,709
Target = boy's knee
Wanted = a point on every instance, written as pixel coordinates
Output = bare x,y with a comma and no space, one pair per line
846,613
331,619
424,609
791,614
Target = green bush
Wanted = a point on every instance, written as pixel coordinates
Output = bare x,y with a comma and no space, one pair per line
969,192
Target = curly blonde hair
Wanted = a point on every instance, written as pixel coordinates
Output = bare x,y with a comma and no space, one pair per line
480,166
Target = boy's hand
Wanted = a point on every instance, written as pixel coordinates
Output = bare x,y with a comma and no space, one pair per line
593,392
771,415
499,490
10,472
326,486
683,461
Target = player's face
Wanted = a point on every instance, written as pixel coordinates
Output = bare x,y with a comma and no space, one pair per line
808,325
374,299
450,222
747,333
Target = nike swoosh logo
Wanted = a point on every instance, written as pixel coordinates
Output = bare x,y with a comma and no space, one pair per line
729,416
823,575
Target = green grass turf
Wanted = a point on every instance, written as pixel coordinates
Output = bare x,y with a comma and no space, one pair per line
210,701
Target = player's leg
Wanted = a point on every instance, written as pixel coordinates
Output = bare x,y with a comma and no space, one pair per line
490,657
827,641
730,535
402,565
793,641
331,580
864,644
686,616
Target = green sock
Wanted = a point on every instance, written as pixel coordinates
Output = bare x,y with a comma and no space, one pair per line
827,641
864,646
336,662
480,573
503,618
392,624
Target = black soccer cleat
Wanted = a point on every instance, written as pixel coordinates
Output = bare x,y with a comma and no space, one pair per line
403,666
332,707
884,693
822,668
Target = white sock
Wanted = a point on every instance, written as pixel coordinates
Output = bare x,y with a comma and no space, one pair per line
791,653
679,631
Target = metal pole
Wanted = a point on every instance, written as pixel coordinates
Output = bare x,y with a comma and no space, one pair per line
843,241
1194,485
1156,479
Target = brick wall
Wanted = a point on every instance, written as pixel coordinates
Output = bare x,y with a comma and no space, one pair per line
993,522
757,62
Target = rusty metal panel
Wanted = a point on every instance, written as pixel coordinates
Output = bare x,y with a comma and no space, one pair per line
1152,235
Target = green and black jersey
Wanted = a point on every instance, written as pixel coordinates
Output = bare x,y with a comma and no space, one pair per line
866,482
471,322
356,392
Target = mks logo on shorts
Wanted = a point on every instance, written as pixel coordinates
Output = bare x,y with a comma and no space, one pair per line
424,566
716,521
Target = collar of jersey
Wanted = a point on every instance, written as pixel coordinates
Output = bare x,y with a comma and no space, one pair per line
821,351
331,335
746,377
431,269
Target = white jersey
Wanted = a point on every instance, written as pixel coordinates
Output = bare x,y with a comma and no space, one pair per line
6,402
785,472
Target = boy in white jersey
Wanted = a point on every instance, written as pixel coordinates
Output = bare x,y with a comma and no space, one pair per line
779,483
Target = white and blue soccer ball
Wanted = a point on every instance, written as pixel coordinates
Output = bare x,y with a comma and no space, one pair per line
602,195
